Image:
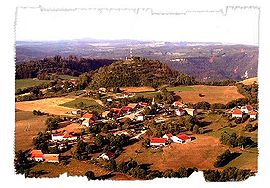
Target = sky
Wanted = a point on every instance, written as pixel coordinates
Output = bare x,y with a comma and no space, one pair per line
237,26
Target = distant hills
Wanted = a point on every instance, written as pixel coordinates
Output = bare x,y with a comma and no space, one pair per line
211,61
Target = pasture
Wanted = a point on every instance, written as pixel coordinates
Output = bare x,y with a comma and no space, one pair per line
49,105
211,94
25,83
26,128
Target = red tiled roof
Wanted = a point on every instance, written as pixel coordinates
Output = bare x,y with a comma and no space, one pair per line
252,113
237,111
183,137
36,154
126,108
169,135
110,154
58,134
158,140
249,107
51,157
88,115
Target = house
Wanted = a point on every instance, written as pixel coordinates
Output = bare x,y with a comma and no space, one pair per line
237,113
87,122
140,117
102,89
133,105
57,137
168,136
51,158
158,141
76,111
107,156
180,112
143,104
36,155
252,114
105,114
63,136
126,109
177,140
179,104
73,81
88,116
246,109
185,138
191,111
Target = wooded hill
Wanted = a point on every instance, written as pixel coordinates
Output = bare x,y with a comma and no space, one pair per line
70,66
134,72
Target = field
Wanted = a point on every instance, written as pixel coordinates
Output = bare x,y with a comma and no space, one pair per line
200,153
24,83
211,94
27,127
67,77
250,81
74,168
49,105
73,127
84,103
249,157
137,89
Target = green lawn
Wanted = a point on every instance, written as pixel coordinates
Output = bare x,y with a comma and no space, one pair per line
180,88
89,104
25,83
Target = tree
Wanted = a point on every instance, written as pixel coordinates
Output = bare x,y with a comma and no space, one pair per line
90,175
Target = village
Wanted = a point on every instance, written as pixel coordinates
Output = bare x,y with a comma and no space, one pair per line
131,121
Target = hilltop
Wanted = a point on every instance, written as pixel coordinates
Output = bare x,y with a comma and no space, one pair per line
134,72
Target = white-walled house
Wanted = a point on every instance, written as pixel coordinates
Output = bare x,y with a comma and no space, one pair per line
191,111
246,109
180,112
237,113
168,136
140,117
252,114
158,141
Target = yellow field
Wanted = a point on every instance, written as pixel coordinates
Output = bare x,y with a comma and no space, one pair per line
212,94
200,153
250,81
50,105
27,127
137,89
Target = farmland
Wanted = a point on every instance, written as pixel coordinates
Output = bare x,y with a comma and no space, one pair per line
83,103
25,83
201,153
27,127
49,105
137,89
211,94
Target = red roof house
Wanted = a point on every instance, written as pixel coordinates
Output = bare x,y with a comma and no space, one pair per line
237,113
158,141
184,137
168,136
36,155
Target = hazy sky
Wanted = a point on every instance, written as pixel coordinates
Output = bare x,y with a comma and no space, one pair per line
238,26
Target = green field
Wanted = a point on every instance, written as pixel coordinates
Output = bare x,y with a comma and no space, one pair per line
180,88
89,104
149,94
25,83
67,77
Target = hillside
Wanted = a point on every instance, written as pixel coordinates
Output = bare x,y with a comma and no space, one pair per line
250,81
133,72
66,66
